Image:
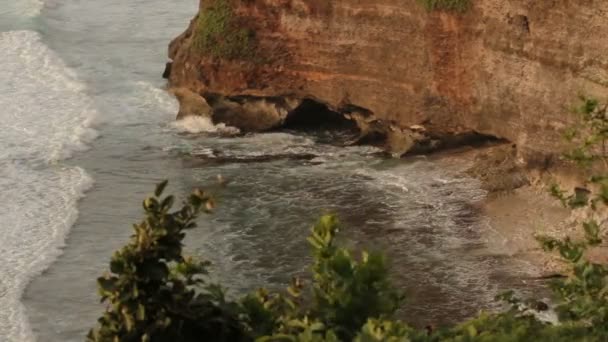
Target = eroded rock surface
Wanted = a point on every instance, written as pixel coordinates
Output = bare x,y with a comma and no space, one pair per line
509,69
190,103
251,114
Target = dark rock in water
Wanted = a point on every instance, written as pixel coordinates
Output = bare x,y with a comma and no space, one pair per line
551,276
540,306
217,157
257,159
167,72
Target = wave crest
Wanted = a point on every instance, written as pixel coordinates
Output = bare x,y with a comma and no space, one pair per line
46,116
200,124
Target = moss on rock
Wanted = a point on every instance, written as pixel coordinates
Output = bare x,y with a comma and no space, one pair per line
446,5
218,33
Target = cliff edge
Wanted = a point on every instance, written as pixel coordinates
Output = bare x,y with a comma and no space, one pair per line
506,69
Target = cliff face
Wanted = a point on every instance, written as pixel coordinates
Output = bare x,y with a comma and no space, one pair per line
509,69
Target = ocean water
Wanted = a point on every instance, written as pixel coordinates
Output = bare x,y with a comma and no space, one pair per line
87,130
45,119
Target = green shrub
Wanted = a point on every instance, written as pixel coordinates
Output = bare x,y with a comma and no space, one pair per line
446,5
154,293
584,295
590,134
345,293
219,34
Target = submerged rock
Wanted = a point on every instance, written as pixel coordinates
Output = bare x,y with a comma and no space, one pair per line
219,157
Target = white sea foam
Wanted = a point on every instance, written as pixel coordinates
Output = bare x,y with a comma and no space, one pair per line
427,196
200,124
157,98
45,117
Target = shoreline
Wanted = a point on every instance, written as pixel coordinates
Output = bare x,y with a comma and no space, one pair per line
518,205
517,217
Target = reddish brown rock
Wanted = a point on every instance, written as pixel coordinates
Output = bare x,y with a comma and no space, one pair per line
504,68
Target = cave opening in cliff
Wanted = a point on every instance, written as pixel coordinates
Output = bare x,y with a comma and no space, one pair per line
313,115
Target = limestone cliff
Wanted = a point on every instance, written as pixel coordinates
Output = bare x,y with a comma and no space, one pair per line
509,69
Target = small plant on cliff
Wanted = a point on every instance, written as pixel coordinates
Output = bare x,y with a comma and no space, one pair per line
219,33
590,135
446,5
585,293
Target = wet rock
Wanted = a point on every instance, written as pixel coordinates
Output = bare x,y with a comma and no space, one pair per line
540,306
400,141
498,169
366,123
190,103
396,140
252,114
167,72
219,157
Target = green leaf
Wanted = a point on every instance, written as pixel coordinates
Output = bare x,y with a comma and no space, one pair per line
580,198
341,264
167,203
160,188
155,270
472,330
141,312
117,266
592,231
107,284
150,204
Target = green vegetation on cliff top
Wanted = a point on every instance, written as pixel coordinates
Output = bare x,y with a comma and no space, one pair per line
446,5
218,33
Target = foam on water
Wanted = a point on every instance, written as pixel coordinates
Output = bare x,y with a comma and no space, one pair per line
452,225
158,98
272,145
45,118
199,124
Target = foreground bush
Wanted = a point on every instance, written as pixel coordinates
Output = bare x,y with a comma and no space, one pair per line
154,293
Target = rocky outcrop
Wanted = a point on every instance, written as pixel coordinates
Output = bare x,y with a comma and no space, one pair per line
245,113
190,103
250,114
509,69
